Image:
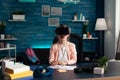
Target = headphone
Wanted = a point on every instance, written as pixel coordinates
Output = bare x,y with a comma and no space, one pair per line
41,72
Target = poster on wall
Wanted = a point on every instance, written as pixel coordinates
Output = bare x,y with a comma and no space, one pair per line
53,21
45,10
56,11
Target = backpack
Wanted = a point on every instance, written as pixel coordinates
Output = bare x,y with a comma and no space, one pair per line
31,55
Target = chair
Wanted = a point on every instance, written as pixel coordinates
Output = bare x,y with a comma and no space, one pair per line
77,40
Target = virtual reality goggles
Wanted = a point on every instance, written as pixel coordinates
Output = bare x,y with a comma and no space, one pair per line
41,72
62,30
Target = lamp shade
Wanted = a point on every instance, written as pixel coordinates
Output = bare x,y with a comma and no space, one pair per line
101,24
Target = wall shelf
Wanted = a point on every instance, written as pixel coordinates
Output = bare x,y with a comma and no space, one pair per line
8,39
12,47
69,1
16,20
79,20
88,55
8,48
91,38
7,59
76,20
32,1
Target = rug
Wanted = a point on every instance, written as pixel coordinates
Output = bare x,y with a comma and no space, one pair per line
103,78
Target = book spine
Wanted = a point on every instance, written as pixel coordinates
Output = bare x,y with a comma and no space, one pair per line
9,71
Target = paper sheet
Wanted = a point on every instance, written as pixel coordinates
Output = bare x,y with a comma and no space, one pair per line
62,70
62,67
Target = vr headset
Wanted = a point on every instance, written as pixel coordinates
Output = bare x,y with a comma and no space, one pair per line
39,72
62,30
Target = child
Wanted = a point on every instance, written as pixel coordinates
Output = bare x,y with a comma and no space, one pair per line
63,52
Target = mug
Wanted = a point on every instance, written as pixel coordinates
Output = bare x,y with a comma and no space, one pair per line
7,45
84,35
2,36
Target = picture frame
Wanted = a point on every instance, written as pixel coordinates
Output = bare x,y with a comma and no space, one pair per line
53,21
56,11
45,10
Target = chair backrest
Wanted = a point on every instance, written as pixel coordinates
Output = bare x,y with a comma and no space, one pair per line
77,40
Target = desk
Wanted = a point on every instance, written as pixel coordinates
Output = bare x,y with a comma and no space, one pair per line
70,75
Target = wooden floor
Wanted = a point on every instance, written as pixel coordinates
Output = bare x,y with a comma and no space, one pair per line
103,78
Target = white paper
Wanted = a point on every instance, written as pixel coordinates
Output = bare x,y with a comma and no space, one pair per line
63,67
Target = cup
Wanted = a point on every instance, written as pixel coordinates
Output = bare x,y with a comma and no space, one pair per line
2,45
83,18
7,45
75,17
84,35
90,36
2,36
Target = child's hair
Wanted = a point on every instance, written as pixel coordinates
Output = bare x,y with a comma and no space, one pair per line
62,30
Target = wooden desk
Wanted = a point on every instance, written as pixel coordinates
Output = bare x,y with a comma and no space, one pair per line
70,75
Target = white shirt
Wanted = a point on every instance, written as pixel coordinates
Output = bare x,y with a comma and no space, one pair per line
62,55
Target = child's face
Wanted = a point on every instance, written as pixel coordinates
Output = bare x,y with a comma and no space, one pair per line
62,37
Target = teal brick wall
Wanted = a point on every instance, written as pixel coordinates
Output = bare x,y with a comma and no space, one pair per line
35,32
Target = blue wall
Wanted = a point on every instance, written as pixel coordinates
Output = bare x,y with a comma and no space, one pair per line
35,32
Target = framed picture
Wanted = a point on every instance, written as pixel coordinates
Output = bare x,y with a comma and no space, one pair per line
56,11
53,21
45,10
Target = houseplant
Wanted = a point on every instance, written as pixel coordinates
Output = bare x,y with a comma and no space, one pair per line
18,15
2,27
102,65
85,25
103,62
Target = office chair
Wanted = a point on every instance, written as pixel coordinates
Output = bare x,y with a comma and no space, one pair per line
77,40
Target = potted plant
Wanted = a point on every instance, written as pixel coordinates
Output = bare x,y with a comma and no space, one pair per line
85,25
2,27
103,62
18,15
102,65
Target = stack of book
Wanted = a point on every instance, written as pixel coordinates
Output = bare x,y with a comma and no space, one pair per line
17,70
